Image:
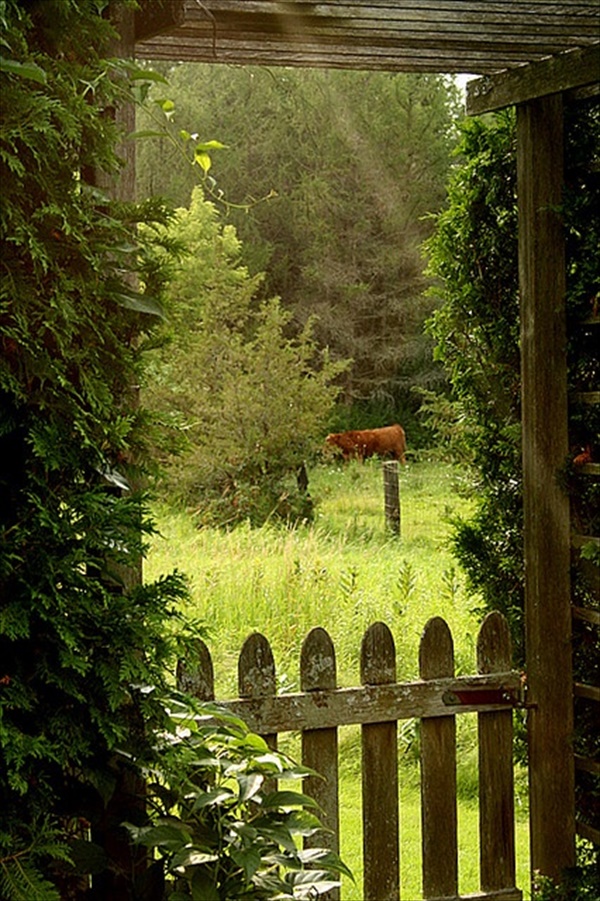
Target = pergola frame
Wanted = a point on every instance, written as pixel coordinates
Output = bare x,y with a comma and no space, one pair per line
530,55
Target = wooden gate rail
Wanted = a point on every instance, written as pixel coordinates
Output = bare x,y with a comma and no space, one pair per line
320,708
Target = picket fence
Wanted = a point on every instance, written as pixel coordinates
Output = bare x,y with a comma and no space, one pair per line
320,708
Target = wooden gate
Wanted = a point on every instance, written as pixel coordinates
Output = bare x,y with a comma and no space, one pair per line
320,708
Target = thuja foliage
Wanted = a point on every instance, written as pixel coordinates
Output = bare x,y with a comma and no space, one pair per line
474,255
75,638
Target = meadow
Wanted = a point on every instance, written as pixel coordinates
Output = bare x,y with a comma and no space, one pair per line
343,572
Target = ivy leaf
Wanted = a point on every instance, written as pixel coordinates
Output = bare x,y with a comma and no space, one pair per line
215,797
210,145
146,75
145,133
203,887
202,159
301,822
168,836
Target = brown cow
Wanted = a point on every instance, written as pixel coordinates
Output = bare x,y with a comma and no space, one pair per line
389,441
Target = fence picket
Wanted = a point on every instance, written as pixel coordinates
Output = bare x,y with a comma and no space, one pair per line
320,746
496,789
197,678
438,772
381,851
320,708
256,673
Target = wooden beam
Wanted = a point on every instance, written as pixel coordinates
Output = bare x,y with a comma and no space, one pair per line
573,69
155,17
328,708
546,506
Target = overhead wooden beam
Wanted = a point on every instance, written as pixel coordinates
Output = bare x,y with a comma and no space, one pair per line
155,17
573,69
391,35
545,503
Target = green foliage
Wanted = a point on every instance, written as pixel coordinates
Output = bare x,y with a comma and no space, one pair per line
333,174
249,400
580,883
219,827
474,254
76,636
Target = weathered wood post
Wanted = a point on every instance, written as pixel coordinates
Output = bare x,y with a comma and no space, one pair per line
381,829
546,506
438,772
320,746
391,492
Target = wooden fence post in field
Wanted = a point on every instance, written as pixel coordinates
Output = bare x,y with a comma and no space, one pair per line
197,678
496,789
391,493
380,776
320,746
256,673
438,772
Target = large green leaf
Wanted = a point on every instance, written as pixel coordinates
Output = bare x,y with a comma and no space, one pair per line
191,857
248,859
203,886
170,836
288,799
249,785
140,303
212,798
24,70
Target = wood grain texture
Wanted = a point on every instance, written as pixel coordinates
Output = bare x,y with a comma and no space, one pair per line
381,829
546,507
496,786
438,772
320,746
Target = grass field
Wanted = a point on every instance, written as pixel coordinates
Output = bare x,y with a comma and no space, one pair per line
344,572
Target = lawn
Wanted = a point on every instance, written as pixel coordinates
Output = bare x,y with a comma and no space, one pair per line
343,572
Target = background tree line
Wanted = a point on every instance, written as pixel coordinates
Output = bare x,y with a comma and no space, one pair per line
329,179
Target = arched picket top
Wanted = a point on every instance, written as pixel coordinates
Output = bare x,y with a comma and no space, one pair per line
317,661
494,646
377,655
256,668
381,826
436,650
195,675
496,779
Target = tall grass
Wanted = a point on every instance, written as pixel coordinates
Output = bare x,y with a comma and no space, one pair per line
343,572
